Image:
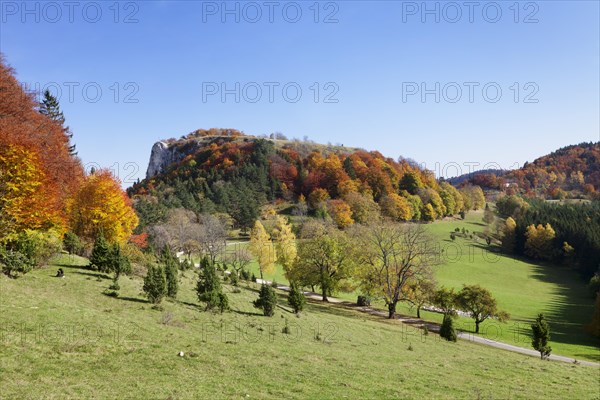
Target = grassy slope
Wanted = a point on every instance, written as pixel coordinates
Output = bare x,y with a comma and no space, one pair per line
521,287
61,338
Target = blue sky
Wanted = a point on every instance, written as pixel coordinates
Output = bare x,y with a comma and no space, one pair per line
361,68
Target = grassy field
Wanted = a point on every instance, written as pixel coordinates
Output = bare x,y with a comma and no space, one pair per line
62,338
521,287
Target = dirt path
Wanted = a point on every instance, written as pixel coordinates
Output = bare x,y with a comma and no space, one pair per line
435,328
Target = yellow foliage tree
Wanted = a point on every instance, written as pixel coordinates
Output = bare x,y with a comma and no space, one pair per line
340,212
285,243
100,205
396,207
26,199
539,241
262,248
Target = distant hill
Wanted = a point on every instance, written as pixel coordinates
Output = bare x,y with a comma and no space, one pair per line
570,172
226,171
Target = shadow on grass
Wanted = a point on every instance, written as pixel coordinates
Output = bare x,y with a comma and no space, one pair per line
571,309
93,274
248,314
134,299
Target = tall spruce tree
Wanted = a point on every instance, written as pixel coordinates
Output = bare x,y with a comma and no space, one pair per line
51,108
541,336
170,264
155,284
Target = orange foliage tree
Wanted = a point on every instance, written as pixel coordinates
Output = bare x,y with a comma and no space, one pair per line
27,200
100,205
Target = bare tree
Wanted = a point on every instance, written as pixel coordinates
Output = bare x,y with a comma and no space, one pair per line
213,236
393,254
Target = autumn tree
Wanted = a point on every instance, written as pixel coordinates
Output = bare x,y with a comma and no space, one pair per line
101,205
508,235
541,336
340,212
285,243
419,291
411,182
392,254
325,259
480,304
539,243
396,207
364,208
27,198
262,248
445,300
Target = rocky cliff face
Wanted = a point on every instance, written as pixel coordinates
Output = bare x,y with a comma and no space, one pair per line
161,157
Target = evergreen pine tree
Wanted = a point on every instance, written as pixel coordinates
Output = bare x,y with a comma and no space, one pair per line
267,300
72,243
99,259
541,336
447,330
118,264
170,264
296,298
155,285
50,108
488,214
209,289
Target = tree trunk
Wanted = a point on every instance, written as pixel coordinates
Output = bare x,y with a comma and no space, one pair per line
477,326
391,310
418,311
325,295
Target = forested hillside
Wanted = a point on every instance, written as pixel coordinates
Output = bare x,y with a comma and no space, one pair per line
570,172
237,174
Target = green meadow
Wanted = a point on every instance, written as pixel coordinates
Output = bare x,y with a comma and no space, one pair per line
65,339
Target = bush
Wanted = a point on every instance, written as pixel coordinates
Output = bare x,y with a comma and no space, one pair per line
296,298
14,263
37,246
155,285
245,274
363,301
274,285
253,278
267,300
447,330
233,278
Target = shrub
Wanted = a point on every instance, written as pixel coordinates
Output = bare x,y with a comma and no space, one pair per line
267,300
233,278
245,274
155,285
296,298
37,246
274,285
14,263
447,330
363,301
253,278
